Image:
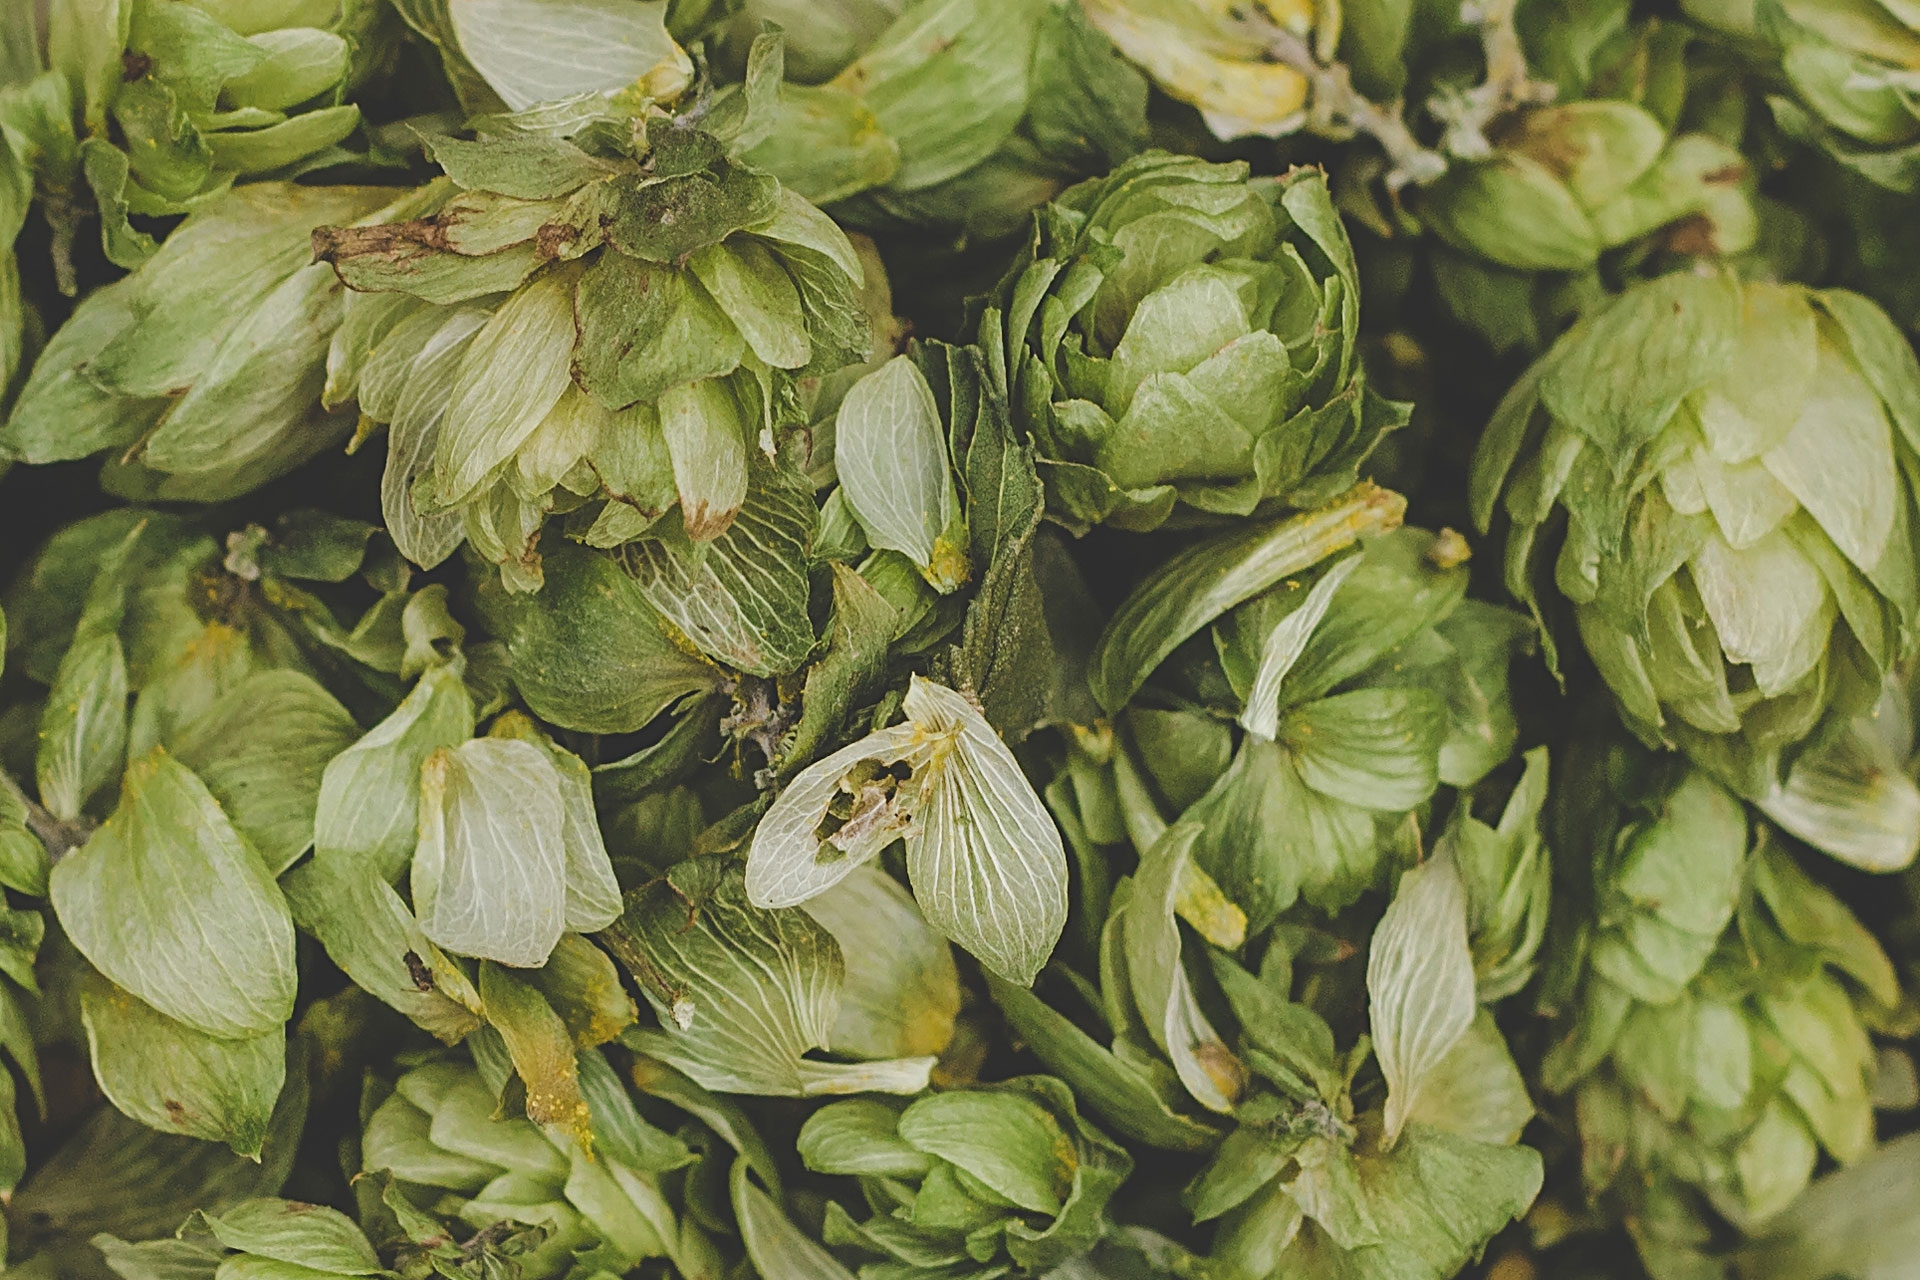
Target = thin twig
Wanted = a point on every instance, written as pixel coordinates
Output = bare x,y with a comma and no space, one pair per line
1336,109
1467,114
58,835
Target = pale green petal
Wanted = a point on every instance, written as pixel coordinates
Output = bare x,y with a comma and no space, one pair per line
490,872
891,454
1769,606
1420,986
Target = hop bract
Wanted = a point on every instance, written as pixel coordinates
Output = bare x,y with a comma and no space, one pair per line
1716,477
1179,335
1850,68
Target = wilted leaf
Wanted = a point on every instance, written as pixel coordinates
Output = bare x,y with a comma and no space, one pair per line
169,902
490,872
1420,986
179,1080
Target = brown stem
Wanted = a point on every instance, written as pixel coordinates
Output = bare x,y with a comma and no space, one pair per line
1337,109
1468,114
58,835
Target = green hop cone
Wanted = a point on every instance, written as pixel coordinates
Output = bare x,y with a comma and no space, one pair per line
1563,185
606,333
1359,680
1178,336
1715,480
948,115
199,375
1850,71
1006,1180
1395,1155
1227,985
1716,1005
174,102
565,1198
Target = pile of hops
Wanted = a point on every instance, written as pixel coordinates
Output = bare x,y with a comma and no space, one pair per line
958,639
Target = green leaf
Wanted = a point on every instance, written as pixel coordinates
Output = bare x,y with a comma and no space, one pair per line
370,793
169,902
541,1050
117,1175
902,1007
859,1137
1269,837
743,993
778,1249
249,414
1161,989
988,867
848,673
84,42
1087,107
159,1259
1675,888
746,279
24,863
1007,647
263,748
1199,584
62,412
587,651
524,166
1621,373
826,144
1514,211
1420,986
535,51
279,146
1851,1222
1436,1200
742,598
1285,642
83,730
1810,915
370,934
1374,748
511,375
581,983
1112,1085
299,63
107,173
307,1235
619,1131
179,1080
1848,796
891,455
1010,1143
490,870
949,82
1476,1090
696,199
1397,589
646,328
705,431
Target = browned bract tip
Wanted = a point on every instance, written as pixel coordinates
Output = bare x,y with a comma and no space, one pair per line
554,238
394,241
1692,235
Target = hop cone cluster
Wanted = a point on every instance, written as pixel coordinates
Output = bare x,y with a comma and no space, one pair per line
959,640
